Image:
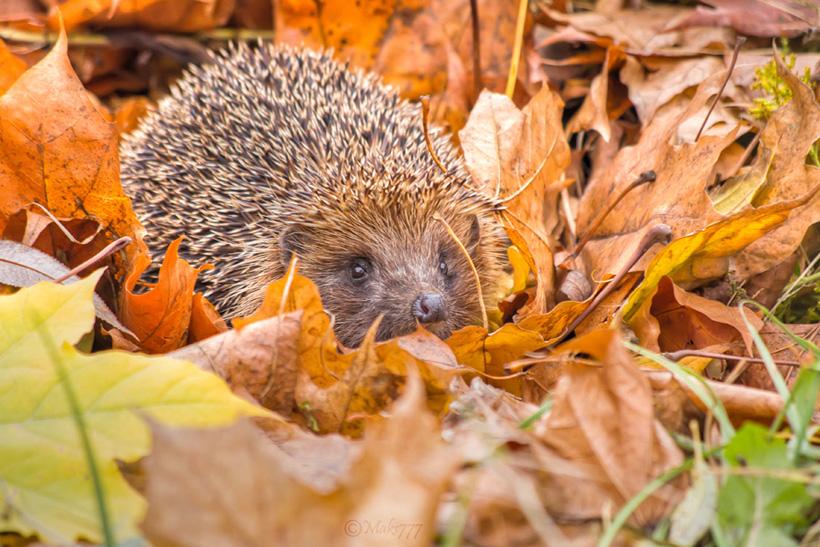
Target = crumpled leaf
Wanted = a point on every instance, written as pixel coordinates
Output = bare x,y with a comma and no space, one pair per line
335,391
673,319
603,418
789,134
259,494
677,197
58,148
259,359
43,470
651,89
161,316
756,17
704,254
505,148
22,266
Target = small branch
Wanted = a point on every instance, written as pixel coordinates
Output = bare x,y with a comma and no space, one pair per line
657,234
643,178
738,42
476,24
677,355
109,249
425,113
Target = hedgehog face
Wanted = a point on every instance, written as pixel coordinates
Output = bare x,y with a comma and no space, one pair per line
407,275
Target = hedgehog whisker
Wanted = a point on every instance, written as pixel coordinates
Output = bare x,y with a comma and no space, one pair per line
477,278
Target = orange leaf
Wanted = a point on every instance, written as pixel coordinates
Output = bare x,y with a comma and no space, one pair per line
160,316
11,67
57,148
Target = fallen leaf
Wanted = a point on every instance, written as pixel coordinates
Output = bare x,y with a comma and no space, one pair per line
755,17
789,134
673,319
506,149
336,390
603,420
59,150
173,15
11,67
44,470
161,316
704,254
259,494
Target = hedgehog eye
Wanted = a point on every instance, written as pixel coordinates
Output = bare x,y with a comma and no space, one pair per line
359,268
442,266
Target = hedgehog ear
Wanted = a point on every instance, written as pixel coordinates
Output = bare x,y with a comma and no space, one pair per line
291,241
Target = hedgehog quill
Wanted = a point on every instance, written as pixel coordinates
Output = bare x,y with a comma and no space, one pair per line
270,151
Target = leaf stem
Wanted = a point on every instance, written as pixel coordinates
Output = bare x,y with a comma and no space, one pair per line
88,450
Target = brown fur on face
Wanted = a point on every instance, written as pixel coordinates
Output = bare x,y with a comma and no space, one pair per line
408,253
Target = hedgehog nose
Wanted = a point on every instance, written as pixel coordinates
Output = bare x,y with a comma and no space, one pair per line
429,308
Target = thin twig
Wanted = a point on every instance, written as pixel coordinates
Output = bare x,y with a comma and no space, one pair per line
738,42
472,267
476,24
62,227
657,234
519,41
643,178
109,249
677,355
425,113
532,178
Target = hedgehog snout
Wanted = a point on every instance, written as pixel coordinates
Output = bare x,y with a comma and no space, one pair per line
429,308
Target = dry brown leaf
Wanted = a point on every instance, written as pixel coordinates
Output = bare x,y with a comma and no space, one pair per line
259,492
677,198
594,111
756,17
603,420
336,390
674,319
504,149
58,149
653,86
173,15
789,134
259,359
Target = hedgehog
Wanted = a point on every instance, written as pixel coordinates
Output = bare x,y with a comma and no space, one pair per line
266,152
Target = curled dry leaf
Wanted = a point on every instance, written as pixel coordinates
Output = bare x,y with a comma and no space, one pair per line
673,319
652,87
705,254
505,149
259,359
161,316
58,149
789,135
336,390
603,419
756,17
260,492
